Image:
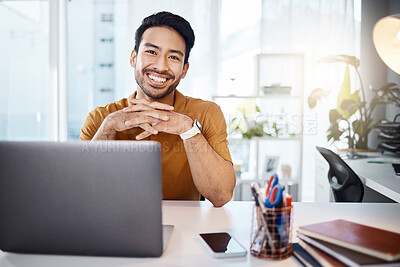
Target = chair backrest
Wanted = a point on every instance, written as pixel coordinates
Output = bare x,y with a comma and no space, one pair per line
345,184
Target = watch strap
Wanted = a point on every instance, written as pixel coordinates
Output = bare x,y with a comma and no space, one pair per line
192,131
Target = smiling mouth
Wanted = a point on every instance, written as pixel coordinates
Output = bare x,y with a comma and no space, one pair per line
157,79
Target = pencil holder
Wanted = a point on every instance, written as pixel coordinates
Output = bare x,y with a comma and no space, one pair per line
271,233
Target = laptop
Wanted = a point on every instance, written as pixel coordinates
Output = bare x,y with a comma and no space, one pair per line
82,198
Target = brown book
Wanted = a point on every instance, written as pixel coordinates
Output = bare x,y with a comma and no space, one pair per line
369,240
303,257
347,256
320,256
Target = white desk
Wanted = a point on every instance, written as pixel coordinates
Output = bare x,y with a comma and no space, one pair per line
191,218
377,176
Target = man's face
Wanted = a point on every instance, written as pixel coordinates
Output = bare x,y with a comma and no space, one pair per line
159,63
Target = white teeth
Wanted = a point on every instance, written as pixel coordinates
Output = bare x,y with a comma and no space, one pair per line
157,79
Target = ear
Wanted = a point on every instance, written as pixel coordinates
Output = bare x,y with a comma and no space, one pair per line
185,69
133,59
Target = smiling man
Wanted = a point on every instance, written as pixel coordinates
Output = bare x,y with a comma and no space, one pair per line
192,132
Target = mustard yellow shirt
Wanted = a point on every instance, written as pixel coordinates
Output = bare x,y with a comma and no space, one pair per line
176,176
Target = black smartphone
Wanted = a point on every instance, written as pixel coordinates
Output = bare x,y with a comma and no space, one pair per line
396,168
222,245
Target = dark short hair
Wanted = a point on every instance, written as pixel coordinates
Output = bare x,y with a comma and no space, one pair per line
169,20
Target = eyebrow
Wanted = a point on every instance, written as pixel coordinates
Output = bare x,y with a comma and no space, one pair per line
176,51
159,48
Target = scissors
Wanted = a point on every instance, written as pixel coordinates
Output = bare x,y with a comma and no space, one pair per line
273,192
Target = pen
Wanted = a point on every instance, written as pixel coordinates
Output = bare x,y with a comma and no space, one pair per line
261,206
260,198
289,199
260,235
384,161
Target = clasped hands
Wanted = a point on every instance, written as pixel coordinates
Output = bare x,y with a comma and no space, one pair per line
152,117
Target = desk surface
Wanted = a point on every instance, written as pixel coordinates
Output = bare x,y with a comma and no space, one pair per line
377,176
191,218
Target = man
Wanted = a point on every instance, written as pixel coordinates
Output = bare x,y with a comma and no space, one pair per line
192,132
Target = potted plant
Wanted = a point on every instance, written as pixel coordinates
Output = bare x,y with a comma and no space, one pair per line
250,122
352,117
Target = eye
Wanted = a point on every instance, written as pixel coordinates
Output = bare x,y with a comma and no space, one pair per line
175,58
152,52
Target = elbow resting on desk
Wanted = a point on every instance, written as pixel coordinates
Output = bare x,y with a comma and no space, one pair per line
224,192
221,199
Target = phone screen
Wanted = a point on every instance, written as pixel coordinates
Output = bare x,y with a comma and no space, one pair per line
222,243
396,168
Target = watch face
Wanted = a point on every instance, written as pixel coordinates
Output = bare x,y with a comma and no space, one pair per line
198,125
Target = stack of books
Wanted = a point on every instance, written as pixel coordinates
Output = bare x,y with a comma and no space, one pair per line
344,243
389,133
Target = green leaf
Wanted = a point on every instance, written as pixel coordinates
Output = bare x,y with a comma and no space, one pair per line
334,116
349,105
341,58
346,94
387,87
247,135
257,109
334,133
316,95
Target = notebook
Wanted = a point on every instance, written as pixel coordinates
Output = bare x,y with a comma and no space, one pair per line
322,258
81,198
303,257
368,240
322,250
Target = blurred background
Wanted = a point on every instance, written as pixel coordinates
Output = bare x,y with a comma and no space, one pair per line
257,59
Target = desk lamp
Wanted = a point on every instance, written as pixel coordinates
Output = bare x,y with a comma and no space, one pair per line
386,38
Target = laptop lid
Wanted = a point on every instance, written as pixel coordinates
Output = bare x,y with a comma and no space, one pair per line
81,198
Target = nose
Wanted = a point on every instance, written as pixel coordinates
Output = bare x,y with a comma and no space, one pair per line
161,63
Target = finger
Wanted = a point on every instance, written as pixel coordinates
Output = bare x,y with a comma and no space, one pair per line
148,128
154,104
148,116
137,107
158,114
142,135
161,126
137,121
142,107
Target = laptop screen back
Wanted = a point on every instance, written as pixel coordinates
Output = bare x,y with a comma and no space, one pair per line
81,198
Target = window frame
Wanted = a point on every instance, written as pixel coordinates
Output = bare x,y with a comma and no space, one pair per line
58,70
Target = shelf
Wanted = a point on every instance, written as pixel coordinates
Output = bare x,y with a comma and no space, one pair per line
261,155
258,97
268,138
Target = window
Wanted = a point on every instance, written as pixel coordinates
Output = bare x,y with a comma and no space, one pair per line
24,70
91,59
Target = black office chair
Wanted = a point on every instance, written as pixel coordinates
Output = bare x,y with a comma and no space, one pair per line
348,186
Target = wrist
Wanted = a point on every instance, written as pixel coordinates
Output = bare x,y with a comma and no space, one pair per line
192,131
104,132
186,125
108,125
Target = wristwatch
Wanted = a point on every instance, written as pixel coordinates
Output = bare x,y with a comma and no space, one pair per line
192,131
